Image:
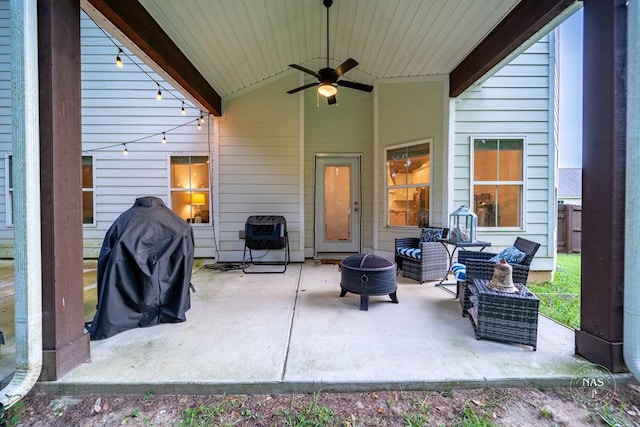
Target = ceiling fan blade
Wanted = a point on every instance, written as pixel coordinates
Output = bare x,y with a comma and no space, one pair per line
307,86
344,67
355,85
305,70
332,100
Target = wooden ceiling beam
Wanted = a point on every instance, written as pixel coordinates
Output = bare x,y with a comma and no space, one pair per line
526,19
133,20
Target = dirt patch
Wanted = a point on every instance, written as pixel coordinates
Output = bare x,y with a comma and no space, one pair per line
501,407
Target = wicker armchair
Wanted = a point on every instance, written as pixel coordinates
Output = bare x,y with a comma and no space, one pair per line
478,266
433,263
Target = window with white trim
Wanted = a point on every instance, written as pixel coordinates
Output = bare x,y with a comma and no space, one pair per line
189,188
88,205
498,181
88,191
408,184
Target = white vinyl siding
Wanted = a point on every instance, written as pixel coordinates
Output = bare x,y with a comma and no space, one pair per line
261,150
350,131
6,231
260,165
516,101
118,107
411,110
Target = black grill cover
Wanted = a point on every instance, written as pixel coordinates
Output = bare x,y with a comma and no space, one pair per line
144,270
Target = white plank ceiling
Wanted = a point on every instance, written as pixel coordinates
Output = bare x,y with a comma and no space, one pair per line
236,44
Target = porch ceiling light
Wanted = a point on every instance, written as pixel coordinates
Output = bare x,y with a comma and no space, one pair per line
327,90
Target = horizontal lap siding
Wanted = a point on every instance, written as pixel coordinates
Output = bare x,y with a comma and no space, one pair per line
411,111
119,106
259,164
6,233
343,128
513,102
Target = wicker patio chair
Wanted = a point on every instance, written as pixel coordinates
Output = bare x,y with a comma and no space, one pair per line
422,261
478,266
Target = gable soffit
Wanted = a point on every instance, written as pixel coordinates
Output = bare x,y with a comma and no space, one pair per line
214,49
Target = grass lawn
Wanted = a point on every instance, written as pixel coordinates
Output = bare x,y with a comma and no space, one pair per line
560,299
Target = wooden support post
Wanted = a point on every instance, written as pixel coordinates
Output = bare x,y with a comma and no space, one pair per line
600,336
65,342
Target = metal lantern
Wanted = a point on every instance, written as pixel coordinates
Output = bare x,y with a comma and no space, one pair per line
463,225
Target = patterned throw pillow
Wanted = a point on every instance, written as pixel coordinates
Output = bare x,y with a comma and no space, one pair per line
511,254
430,234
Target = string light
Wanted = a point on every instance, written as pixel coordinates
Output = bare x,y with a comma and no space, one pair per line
119,63
121,53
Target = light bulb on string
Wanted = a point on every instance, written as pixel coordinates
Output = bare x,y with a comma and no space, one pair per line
119,63
183,111
164,138
199,125
201,117
159,94
125,151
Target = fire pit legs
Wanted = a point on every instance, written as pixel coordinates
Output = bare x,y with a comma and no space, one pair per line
364,299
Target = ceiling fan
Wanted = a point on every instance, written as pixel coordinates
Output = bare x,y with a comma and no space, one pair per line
328,77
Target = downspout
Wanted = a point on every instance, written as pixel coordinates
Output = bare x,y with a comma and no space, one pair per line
631,346
26,173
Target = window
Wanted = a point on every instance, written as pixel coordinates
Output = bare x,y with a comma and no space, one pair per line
190,188
408,184
88,207
8,167
498,181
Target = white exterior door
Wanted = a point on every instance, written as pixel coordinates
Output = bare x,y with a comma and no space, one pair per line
337,204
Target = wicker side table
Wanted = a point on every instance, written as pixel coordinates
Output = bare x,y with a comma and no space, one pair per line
500,316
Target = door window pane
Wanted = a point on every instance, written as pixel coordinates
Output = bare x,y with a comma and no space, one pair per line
337,196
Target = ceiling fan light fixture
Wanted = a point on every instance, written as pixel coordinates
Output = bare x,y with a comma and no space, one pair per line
327,90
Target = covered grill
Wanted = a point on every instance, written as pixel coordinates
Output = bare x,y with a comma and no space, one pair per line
265,232
367,274
144,270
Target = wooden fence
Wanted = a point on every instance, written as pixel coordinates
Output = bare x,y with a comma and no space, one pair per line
569,228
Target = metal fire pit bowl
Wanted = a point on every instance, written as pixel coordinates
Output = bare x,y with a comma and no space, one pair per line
365,275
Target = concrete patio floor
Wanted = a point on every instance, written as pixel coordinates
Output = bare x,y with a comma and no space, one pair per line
291,332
